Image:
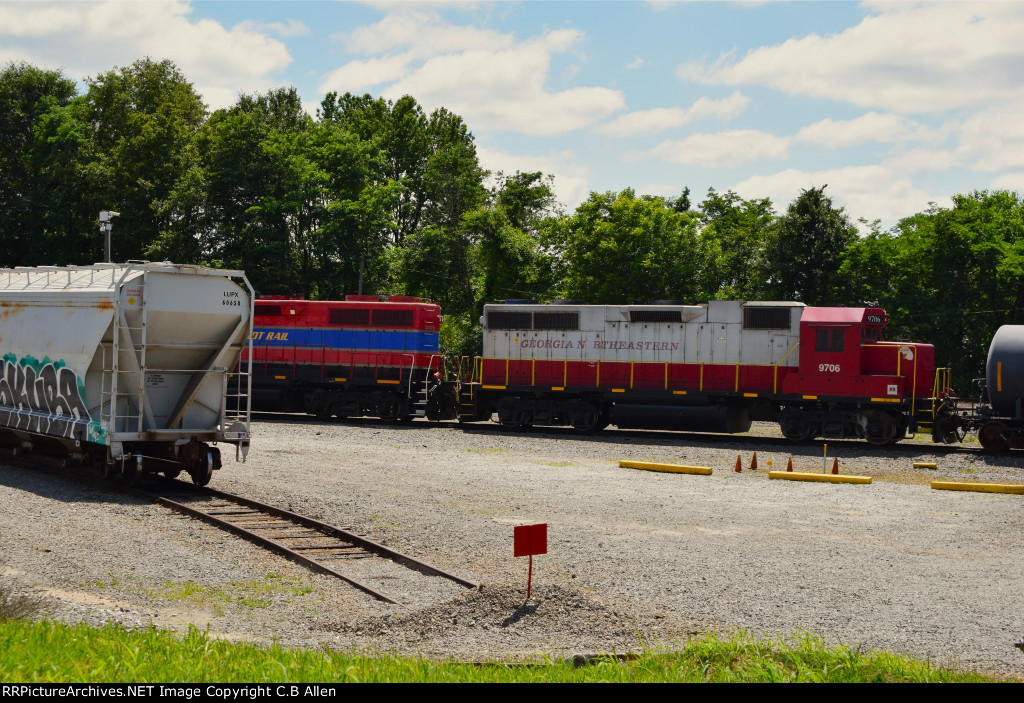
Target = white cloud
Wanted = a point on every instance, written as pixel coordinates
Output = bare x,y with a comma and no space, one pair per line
492,80
872,127
88,38
662,118
907,58
571,178
665,190
358,76
856,188
918,160
721,149
424,33
635,64
1009,181
289,29
993,139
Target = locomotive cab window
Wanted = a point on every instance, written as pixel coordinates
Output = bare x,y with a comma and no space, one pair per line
829,339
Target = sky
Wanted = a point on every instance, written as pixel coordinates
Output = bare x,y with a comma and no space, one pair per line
892,105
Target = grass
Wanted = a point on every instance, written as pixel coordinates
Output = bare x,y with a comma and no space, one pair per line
56,653
245,594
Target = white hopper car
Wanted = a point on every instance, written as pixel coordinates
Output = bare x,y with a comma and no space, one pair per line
130,367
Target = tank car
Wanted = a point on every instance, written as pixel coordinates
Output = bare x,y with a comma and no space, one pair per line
359,357
127,366
999,416
711,367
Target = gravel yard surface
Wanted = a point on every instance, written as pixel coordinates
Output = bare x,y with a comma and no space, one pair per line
634,557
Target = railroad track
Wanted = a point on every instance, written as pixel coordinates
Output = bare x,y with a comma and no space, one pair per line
616,435
318,545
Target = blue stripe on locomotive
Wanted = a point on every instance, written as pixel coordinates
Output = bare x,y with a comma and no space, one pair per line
356,340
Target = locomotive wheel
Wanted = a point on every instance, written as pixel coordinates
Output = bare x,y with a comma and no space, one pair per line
586,419
796,429
388,408
172,473
946,431
318,404
513,415
515,422
799,434
991,437
881,430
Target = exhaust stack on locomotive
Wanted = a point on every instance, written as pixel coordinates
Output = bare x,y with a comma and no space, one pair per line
129,366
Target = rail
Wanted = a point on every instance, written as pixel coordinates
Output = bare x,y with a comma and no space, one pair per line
275,529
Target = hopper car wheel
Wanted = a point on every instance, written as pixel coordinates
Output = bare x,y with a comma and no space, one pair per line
131,469
991,437
100,467
202,472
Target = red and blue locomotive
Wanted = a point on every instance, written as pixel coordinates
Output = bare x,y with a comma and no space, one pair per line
352,358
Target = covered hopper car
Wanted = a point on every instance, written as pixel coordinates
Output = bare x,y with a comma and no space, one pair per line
129,367
359,357
817,371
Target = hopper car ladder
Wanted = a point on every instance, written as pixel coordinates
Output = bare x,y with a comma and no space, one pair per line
127,419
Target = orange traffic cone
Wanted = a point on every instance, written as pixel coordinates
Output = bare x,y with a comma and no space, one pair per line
835,466
739,468
753,463
789,466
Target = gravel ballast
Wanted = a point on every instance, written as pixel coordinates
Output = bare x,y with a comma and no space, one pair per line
635,558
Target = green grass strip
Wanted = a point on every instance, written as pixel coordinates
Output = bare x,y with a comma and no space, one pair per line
57,653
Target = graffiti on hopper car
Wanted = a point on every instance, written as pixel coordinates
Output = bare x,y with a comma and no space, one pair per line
43,397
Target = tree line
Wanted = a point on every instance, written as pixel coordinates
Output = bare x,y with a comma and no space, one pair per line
381,197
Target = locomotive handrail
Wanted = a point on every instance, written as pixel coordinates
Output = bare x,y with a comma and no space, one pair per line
787,354
595,366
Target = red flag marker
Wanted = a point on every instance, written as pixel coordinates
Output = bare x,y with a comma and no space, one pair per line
527,541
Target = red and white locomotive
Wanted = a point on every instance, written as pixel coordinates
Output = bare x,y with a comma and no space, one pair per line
817,371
